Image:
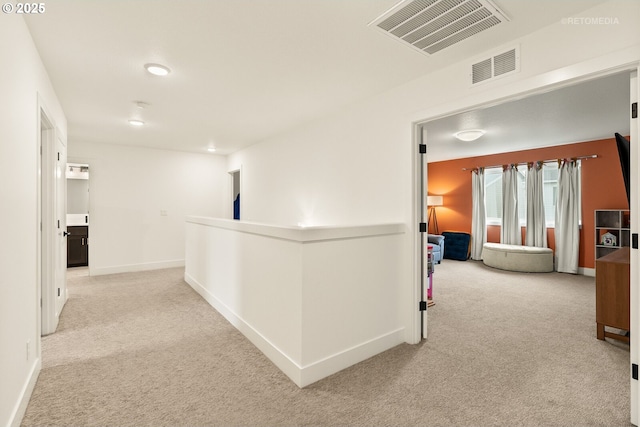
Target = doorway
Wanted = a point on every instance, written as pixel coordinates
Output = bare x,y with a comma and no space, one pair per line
77,176
52,215
235,194
635,299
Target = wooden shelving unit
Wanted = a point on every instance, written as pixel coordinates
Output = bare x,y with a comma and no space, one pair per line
611,222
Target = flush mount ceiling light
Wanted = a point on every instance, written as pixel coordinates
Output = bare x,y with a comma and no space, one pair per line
134,122
157,69
469,135
211,149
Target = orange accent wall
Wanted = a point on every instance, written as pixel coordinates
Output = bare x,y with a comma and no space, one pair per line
602,187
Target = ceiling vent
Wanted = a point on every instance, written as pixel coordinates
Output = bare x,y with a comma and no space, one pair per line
432,25
496,66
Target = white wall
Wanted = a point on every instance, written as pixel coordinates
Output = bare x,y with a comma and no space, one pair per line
22,78
356,166
313,300
129,188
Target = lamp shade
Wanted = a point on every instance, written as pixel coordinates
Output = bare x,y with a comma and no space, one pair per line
434,200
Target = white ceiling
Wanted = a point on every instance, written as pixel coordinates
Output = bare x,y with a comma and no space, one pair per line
587,111
242,70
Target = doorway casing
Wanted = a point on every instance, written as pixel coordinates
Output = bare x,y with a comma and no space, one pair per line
588,70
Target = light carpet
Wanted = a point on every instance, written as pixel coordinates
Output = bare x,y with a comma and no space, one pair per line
504,349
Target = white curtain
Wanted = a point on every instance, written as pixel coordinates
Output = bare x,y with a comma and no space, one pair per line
478,218
567,230
510,232
536,223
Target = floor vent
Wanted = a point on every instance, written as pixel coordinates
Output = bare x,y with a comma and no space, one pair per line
498,65
432,25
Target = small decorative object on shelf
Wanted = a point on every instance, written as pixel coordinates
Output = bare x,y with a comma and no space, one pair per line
608,239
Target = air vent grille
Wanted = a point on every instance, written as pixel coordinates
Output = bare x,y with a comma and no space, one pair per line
498,65
432,25
504,63
481,71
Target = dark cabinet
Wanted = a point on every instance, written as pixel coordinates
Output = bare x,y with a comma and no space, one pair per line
77,246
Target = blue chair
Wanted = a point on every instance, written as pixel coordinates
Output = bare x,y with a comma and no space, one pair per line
437,243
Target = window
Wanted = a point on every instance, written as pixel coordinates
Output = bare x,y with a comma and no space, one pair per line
493,193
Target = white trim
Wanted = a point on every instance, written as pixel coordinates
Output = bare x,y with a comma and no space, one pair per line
336,362
619,61
634,207
585,271
300,234
131,268
608,64
302,376
46,300
25,395
273,353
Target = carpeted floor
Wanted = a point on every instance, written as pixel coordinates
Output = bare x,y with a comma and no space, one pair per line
504,349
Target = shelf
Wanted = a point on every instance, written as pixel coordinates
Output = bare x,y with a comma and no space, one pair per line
611,226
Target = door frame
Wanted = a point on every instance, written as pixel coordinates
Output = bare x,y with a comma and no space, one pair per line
552,80
634,206
46,216
232,189
49,256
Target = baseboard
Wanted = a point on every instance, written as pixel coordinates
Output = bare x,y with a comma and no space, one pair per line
591,272
273,353
339,361
25,395
131,268
301,376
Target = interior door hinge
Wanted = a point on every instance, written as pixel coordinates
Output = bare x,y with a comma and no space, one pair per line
58,224
423,306
58,156
634,240
634,110
634,371
422,148
423,227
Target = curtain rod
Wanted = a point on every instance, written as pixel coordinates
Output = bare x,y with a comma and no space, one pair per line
592,156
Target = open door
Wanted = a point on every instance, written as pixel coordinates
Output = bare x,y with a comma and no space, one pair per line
53,253
634,205
424,229
61,224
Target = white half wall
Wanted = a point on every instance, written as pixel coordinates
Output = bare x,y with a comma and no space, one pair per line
139,199
23,84
313,300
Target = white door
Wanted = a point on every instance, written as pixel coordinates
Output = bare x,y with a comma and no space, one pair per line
634,206
53,215
61,222
422,150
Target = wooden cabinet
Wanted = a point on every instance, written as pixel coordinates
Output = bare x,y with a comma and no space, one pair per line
612,293
77,246
612,231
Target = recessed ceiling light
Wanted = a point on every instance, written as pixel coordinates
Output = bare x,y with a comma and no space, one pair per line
469,135
157,69
134,122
